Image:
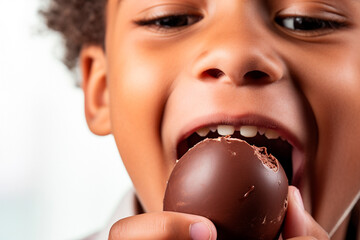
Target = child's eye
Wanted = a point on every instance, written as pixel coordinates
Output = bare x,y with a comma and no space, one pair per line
308,25
170,22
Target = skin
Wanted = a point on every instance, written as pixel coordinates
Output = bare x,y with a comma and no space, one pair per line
152,85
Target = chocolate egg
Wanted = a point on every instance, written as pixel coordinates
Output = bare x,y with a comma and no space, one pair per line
239,187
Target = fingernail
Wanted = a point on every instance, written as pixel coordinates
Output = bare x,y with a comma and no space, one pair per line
298,199
200,231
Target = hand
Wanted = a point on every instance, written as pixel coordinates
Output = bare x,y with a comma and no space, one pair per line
163,225
298,223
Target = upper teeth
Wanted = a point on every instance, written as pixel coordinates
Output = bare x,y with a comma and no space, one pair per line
271,134
225,130
246,131
203,132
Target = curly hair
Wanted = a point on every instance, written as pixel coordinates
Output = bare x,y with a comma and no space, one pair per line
80,22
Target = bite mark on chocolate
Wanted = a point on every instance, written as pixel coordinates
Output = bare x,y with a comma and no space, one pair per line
267,159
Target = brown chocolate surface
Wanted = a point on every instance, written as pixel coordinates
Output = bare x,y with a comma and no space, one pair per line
232,184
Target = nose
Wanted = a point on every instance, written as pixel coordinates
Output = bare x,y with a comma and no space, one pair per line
237,54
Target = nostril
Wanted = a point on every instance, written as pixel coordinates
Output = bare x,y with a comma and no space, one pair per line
214,73
251,77
256,75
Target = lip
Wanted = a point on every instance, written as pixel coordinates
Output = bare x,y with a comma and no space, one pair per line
298,155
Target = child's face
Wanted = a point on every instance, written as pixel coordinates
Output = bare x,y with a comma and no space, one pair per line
289,65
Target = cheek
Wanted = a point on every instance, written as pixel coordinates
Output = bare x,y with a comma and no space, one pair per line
332,87
138,91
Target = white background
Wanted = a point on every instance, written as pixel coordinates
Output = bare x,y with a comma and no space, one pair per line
57,180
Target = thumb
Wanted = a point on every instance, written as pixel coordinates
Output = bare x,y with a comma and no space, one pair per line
295,217
298,222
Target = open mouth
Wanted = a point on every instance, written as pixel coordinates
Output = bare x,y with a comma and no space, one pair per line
258,136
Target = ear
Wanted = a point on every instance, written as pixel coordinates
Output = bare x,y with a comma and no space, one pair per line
94,85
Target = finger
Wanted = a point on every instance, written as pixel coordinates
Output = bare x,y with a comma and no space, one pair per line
298,222
295,217
163,225
314,229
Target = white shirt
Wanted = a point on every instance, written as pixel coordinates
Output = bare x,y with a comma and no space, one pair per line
126,208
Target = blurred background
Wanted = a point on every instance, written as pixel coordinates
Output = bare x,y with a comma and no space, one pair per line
57,180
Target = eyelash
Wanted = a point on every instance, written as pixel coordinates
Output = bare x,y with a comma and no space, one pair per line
299,24
308,24
170,22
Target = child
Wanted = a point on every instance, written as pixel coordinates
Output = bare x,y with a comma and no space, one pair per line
155,72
